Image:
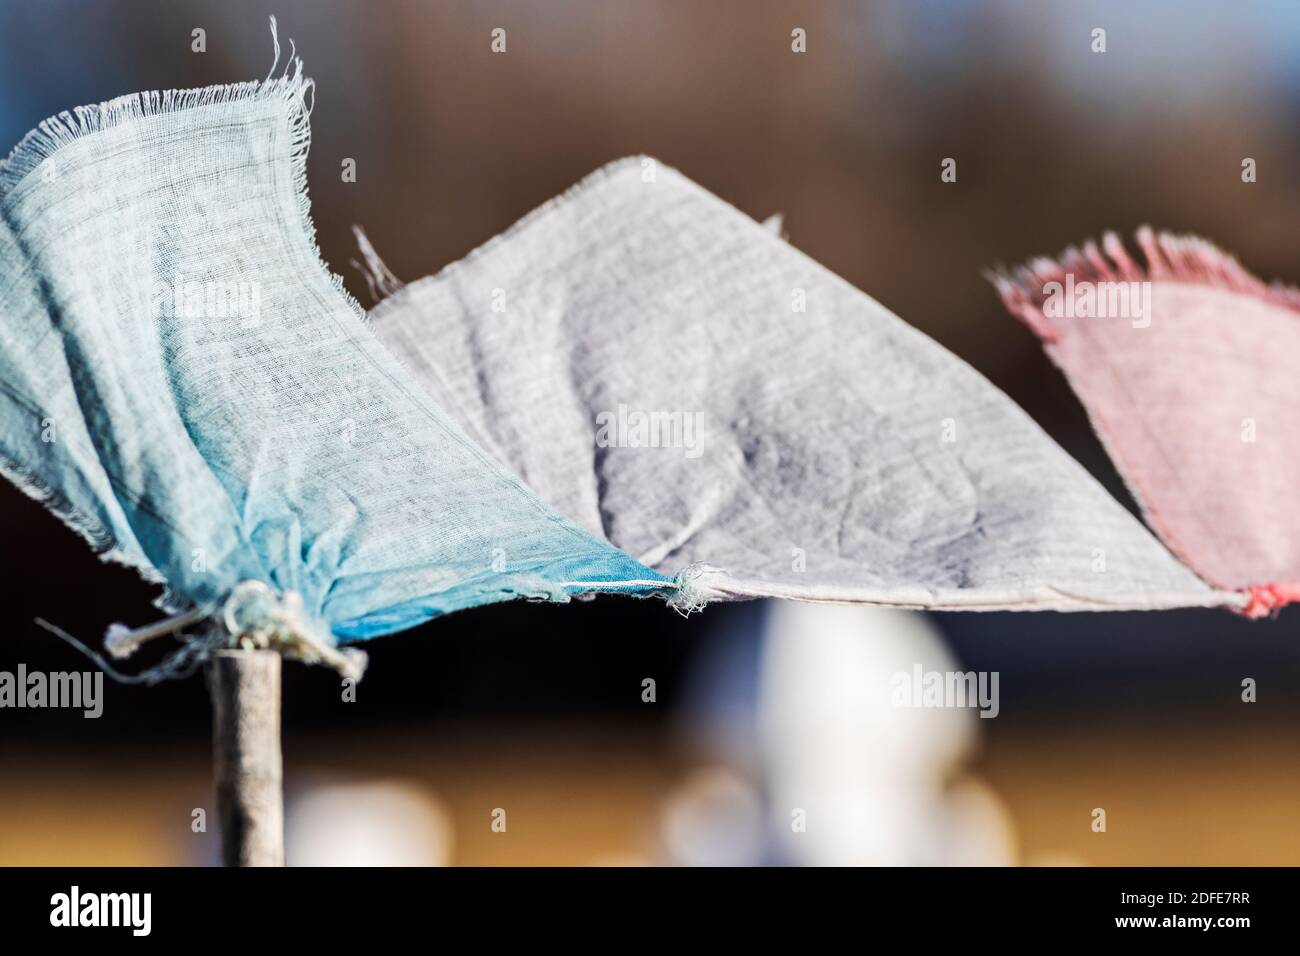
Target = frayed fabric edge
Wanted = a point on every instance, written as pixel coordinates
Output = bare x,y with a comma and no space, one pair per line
291,87
296,93
696,586
57,132
1169,258
101,542
690,590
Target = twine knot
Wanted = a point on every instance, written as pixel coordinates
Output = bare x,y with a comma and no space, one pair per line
257,618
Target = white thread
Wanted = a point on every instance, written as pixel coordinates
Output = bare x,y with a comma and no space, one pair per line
379,278
635,583
275,40
690,587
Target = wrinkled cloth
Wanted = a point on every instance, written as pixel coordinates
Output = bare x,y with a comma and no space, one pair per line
1195,398
673,376
184,383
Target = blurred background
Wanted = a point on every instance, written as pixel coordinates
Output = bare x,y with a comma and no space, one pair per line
759,710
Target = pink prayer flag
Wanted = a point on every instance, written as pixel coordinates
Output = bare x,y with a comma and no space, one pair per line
1189,368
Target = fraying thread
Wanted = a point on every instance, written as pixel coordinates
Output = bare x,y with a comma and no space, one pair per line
1169,257
688,592
379,278
296,91
693,589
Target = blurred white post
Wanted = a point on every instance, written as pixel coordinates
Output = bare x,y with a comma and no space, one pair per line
247,765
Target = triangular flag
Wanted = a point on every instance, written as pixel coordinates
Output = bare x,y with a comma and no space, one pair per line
671,374
1187,369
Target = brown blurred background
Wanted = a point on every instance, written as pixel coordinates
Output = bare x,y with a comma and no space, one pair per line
538,710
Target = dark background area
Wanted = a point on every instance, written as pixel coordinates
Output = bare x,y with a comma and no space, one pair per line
453,143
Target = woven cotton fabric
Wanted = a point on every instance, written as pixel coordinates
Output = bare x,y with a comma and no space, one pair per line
1186,366
674,376
184,383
